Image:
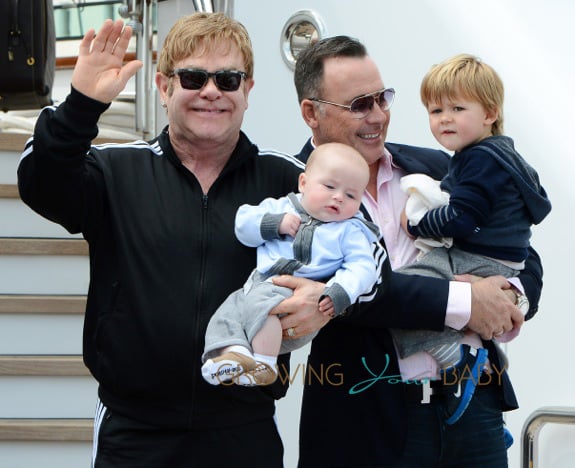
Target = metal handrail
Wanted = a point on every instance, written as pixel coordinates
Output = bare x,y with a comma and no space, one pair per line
534,424
140,14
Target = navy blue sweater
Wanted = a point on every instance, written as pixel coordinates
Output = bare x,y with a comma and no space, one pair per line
495,197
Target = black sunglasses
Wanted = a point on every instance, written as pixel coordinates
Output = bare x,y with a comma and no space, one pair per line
225,80
362,105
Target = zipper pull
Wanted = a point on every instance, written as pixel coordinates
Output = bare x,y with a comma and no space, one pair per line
14,38
13,41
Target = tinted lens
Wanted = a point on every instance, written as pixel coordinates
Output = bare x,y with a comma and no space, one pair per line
385,99
364,104
228,80
196,79
192,79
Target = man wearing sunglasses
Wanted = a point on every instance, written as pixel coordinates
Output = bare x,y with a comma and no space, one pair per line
374,418
159,220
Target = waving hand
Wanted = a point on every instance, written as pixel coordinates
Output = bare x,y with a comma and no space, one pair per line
100,72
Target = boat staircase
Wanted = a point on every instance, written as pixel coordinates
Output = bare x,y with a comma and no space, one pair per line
47,395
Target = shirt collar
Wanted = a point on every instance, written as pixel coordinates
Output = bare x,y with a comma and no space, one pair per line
385,169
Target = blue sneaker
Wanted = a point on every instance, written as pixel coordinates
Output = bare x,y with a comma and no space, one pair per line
507,437
465,374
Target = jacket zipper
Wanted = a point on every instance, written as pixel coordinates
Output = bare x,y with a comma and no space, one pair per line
200,299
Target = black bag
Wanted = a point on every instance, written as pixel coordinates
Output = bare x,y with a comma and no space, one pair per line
27,54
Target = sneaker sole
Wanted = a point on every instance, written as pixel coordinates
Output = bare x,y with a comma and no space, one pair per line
262,375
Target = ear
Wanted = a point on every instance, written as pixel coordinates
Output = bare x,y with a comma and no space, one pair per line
301,182
162,85
309,113
491,115
249,84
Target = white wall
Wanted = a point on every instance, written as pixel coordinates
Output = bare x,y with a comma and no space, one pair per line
531,44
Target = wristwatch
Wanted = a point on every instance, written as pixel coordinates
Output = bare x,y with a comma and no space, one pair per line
521,301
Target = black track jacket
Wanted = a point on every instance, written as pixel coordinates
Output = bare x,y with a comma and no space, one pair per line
163,257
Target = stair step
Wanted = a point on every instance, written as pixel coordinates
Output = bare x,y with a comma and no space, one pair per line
42,304
65,430
13,141
36,365
9,191
45,246
10,141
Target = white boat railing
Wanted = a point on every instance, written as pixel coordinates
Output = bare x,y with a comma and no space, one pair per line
140,17
533,426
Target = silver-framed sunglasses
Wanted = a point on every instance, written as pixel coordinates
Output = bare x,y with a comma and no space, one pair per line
362,105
